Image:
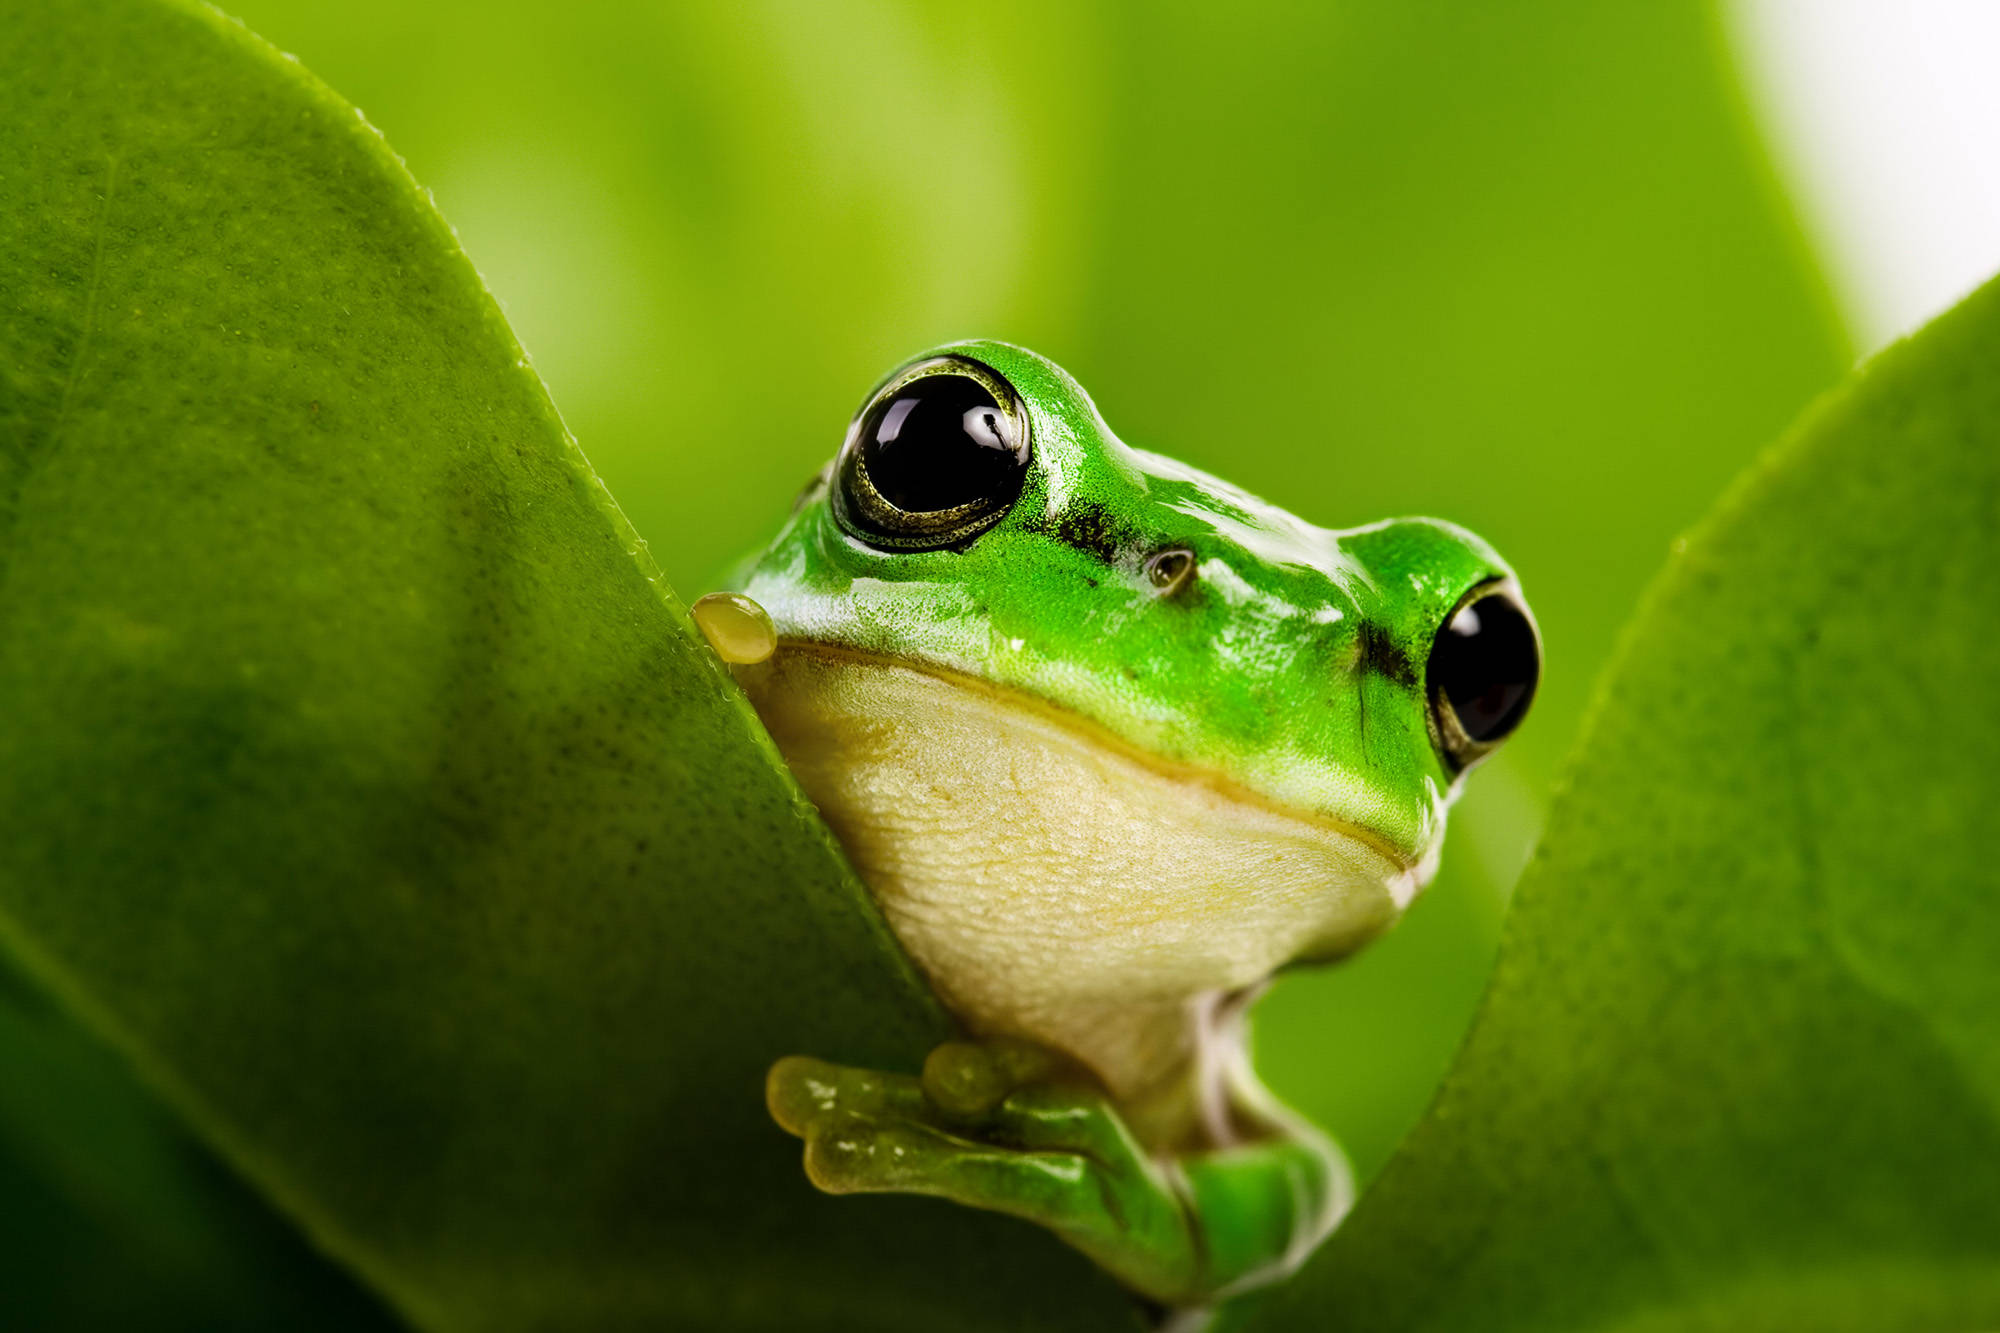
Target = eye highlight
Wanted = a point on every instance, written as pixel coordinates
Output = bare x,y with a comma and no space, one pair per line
936,457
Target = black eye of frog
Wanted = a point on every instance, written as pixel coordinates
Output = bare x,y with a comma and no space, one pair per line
934,459
1482,672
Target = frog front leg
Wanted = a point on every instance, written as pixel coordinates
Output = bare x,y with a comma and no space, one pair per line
1011,1128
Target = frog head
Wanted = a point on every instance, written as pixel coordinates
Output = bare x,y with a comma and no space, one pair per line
1165,735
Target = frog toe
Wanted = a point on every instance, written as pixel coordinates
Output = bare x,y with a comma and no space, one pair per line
855,1155
969,1079
1050,1152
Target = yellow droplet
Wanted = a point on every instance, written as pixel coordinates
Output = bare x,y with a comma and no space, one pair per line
737,628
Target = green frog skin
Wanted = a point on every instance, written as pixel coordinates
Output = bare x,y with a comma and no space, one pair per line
1110,742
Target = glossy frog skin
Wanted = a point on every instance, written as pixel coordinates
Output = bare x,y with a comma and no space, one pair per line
1110,741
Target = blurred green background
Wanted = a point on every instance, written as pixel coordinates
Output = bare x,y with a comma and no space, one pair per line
1520,265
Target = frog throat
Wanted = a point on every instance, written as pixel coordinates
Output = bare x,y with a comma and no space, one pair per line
1053,881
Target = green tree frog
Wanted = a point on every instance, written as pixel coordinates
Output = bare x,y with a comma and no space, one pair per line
1110,741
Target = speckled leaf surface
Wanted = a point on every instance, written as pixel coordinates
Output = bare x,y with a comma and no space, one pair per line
358,778
1739,1068
113,1216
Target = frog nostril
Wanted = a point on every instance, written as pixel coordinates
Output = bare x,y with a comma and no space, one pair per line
1171,569
1483,668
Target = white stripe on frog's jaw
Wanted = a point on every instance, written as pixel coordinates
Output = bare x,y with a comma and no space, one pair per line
1052,881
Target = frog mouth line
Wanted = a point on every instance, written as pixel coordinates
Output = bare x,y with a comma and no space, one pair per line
1096,734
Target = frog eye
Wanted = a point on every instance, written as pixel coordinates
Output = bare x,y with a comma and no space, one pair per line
935,458
1482,672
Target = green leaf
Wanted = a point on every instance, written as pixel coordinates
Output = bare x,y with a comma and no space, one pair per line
360,780
1740,1065
112,1217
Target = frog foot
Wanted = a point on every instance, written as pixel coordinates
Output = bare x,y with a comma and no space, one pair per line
1004,1126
